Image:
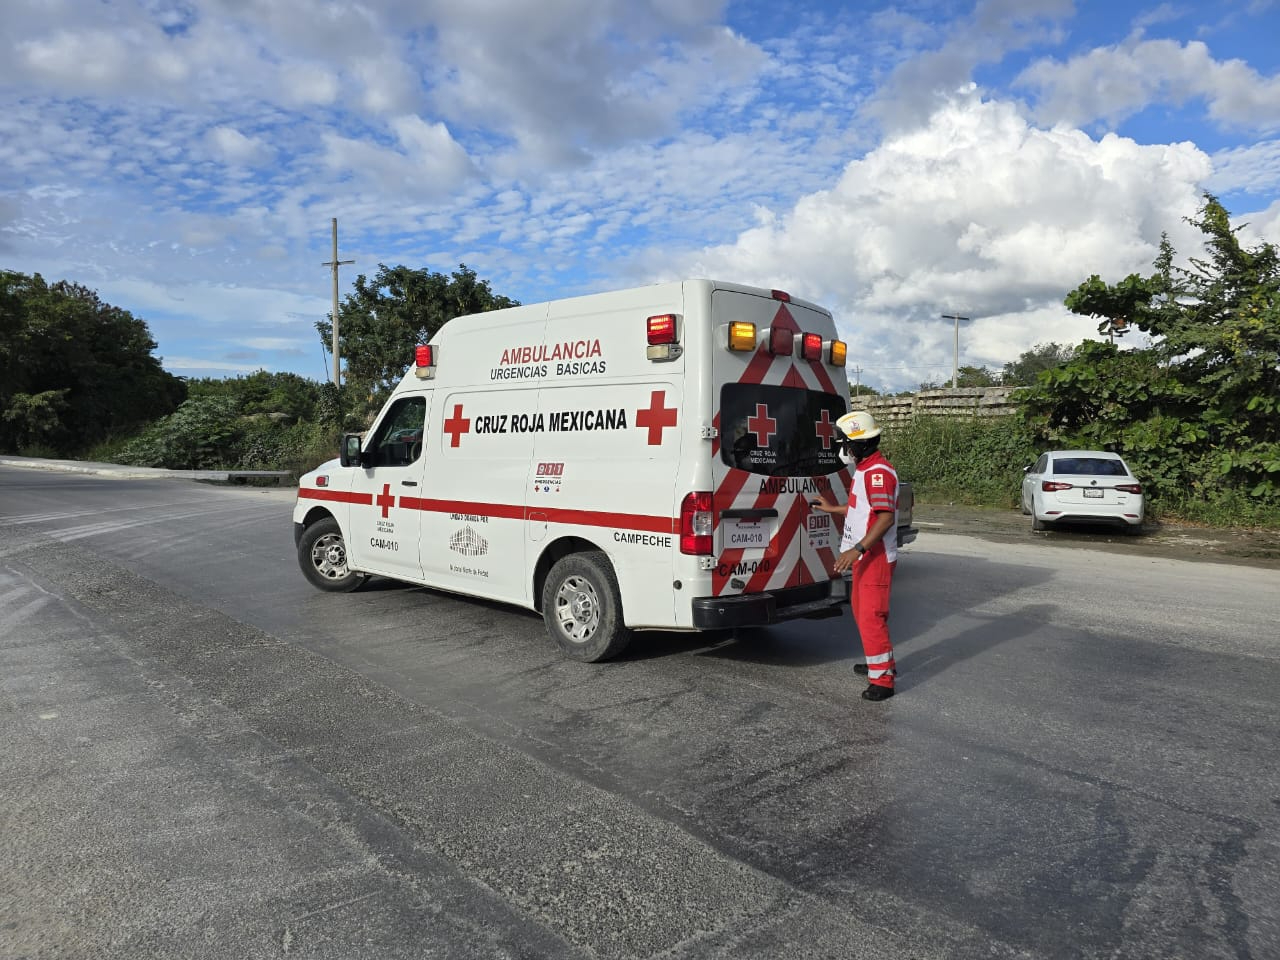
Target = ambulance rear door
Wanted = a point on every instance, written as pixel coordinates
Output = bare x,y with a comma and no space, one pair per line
775,448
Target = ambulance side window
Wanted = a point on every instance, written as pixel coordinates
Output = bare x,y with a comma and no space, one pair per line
398,440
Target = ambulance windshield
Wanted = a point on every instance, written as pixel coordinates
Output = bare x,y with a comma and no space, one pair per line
779,431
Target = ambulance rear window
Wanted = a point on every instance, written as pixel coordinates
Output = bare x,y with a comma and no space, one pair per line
779,431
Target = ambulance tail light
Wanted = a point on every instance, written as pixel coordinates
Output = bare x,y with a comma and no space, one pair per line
782,343
697,524
811,346
839,352
742,336
780,295
663,333
425,358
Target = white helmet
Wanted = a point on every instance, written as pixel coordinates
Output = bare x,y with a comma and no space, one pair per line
858,425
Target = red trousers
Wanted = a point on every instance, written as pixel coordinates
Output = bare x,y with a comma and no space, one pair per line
872,580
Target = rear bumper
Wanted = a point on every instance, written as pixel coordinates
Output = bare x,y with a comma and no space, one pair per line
815,601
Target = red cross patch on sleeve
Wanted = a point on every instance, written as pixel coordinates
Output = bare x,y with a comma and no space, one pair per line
877,479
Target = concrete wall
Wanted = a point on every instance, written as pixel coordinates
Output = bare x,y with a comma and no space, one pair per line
964,402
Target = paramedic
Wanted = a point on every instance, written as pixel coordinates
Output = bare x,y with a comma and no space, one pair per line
869,546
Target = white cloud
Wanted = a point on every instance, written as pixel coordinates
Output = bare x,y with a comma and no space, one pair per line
428,162
1255,168
978,213
235,147
927,78
1111,83
564,76
185,366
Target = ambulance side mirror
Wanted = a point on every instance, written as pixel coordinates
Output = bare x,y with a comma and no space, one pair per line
350,454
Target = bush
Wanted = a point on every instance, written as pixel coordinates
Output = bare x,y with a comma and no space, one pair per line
971,460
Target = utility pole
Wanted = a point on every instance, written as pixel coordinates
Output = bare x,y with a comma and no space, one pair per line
857,383
335,263
955,362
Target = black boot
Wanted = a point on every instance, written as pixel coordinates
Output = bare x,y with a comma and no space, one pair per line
876,692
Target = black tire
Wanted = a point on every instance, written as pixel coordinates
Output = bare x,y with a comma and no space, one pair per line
1025,509
322,554
1133,529
1037,524
582,607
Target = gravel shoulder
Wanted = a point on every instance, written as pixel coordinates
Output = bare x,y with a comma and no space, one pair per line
1259,548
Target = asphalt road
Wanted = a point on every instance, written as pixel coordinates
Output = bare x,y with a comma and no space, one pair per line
205,757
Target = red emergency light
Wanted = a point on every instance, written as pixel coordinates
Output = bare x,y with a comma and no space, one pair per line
811,346
662,329
782,342
423,355
781,295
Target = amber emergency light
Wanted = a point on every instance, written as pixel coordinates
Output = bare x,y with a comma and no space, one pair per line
742,336
839,352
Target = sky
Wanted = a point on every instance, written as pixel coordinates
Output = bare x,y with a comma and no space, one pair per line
893,162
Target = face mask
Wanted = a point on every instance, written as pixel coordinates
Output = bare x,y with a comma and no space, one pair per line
845,456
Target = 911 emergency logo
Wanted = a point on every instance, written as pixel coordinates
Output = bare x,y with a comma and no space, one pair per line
548,477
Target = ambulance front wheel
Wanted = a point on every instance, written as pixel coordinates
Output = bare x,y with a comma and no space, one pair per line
582,606
322,554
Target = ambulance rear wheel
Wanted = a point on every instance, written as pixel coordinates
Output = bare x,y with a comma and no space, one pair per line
582,607
322,554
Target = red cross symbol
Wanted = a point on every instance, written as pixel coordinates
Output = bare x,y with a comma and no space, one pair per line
826,429
457,425
762,425
657,417
385,499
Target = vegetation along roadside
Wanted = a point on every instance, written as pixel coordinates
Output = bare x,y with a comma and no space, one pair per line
1194,407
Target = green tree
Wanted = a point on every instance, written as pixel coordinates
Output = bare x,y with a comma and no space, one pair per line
966,376
287,395
1031,363
386,317
1203,399
73,369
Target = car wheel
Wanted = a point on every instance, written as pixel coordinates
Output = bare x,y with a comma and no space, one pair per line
582,607
1133,529
1037,524
1025,509
322,554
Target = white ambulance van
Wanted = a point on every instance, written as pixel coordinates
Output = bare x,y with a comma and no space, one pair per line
638,460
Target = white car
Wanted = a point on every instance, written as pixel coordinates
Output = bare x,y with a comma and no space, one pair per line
1082,486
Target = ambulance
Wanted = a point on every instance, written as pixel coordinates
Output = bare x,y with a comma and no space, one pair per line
635,460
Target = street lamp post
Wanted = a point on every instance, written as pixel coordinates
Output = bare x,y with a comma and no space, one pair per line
955,362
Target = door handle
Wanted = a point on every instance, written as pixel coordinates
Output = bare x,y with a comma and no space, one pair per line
408,483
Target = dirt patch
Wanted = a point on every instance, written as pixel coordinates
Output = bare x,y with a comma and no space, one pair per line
1260,548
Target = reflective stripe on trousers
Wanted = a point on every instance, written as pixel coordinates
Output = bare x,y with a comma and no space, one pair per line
872,580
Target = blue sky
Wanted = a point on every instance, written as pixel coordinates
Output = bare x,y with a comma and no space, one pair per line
893,162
